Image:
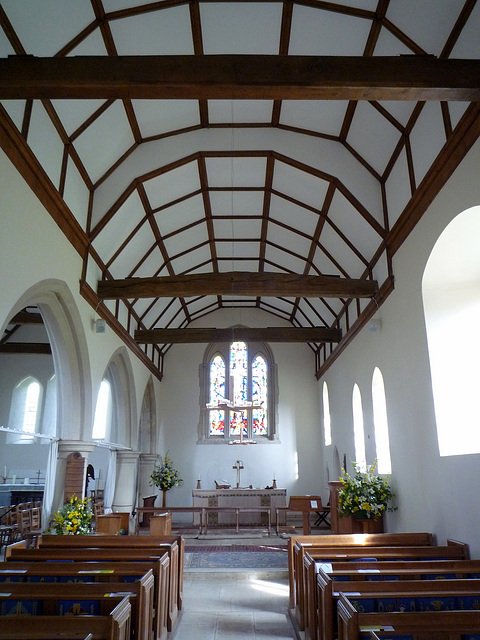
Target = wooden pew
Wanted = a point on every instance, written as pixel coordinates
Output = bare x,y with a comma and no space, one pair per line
111,555
441,623
53,597
48,634
406,593
340,576
427,634
113,624
305,579
348,539
104,573
19,634
121,542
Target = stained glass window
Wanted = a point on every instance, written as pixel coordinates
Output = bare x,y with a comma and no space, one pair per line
237,399
217,394
259,395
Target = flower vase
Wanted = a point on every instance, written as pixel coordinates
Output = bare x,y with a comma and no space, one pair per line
164,498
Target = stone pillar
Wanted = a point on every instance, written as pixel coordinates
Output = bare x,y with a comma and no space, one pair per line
126,482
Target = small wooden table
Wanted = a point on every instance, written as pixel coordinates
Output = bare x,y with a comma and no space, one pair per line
237,511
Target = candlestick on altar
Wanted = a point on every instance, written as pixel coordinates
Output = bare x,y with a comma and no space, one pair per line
238,465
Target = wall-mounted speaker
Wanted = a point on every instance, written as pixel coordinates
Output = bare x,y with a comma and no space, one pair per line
100,326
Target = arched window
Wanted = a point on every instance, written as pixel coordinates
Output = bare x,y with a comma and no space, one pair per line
451,301
103,412
327,427
380,420
238,393
358,429
25,409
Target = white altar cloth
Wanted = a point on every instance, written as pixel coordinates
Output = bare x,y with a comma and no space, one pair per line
272,498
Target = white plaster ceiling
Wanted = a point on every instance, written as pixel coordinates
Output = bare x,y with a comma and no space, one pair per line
171,187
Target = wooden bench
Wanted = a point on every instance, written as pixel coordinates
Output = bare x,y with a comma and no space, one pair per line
306,581
441,623
405,595
107,554
104,573
364,540
123,542
340,576
305,578
426,634
64,598
48,634
113,623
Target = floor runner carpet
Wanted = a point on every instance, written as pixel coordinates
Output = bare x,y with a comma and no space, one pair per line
236,560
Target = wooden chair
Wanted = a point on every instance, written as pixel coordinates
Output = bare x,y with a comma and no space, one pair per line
30,528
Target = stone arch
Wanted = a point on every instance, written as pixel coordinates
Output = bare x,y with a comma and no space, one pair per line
65,331
147,440
119,373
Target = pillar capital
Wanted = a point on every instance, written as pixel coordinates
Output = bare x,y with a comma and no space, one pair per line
66,447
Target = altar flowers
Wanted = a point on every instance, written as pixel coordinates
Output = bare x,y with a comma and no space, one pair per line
165,476
364,495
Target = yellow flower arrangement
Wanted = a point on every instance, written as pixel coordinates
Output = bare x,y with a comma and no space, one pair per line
364,495
164,476
73,519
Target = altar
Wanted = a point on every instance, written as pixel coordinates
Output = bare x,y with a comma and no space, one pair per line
247,498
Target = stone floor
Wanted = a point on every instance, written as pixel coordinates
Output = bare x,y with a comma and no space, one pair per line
241,603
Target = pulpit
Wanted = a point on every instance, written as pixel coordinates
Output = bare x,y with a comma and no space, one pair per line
349,524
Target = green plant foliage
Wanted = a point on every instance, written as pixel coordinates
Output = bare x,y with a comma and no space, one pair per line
164,476
364,494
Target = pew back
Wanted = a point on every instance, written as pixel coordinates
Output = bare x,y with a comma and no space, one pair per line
115,626
322,617
122,542
103,571
304,577
344,540
351,622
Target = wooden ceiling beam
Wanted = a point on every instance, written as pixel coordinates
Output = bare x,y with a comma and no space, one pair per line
37,348
247,334
230,77
25,317
238,283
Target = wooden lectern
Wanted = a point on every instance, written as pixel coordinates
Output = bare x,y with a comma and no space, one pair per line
306,505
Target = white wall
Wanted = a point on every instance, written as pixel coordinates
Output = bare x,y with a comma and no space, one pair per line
298,421
37,261
434,494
